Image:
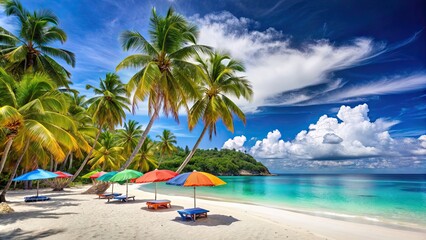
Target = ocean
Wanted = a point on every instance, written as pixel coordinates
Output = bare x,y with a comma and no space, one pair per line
396,199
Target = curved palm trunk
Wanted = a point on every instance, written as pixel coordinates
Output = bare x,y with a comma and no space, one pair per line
5,152
140,143
87,157
71,159
183,165
12,176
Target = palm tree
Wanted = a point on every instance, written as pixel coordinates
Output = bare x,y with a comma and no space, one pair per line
219,81
107,109
85,133
30,50
165,77
144,160
108,155
128,137
38,112
166,144
29,103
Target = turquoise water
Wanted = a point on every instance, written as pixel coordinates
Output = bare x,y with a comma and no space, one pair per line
391,198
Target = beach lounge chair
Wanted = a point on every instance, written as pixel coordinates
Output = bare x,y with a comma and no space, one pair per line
158,203
192,213
108,195
36,198
122,198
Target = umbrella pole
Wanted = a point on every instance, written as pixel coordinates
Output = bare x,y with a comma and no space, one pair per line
37,187
155,191
194,199
127,188
112,190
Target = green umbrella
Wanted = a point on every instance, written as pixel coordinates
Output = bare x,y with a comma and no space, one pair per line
90,174
125,175
106,177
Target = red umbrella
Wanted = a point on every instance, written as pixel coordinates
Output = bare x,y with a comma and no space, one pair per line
63,174
98,174
156,176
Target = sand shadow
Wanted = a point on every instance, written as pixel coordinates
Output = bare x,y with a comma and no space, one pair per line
163,209
54,203
24,235
210,220
19,216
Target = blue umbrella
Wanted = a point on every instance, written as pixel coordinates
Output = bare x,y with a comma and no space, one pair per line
37,174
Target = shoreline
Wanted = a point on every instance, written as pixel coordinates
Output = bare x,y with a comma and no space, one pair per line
363,219
83,216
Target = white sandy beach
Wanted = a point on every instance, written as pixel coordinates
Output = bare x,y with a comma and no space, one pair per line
72,215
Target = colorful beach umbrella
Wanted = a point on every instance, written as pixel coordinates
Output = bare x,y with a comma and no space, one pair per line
88,175
37,174
156,176
196,179
98,174
125,175
63,174
106,177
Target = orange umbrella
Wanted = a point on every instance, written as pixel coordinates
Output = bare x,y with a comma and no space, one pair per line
196,179
156,176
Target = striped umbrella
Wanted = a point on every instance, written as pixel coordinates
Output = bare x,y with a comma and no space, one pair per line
196,179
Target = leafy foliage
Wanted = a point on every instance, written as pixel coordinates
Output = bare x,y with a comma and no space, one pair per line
218,162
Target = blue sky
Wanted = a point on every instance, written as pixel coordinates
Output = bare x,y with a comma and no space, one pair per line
360,63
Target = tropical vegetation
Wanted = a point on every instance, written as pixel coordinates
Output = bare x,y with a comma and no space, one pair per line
44,123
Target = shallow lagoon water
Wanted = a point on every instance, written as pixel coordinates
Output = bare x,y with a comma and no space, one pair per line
388,198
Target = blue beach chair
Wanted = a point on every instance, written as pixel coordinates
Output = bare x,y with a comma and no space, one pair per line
192,213
36,198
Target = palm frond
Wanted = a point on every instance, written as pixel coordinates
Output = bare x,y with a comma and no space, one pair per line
63,54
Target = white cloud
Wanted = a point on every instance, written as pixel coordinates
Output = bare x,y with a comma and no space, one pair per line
280,72
236,143
391,85
421,150
332,138
273,65
351,137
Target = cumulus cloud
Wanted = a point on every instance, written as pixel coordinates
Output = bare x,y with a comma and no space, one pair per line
280,73
236,143
351,138
332,138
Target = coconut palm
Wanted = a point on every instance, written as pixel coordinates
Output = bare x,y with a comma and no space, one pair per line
165,76
85,133
166,144
36,115
219,82
31,50
29,104
107,108
108,156
129,136
144,160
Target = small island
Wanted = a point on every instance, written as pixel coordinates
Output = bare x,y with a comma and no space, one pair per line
218,162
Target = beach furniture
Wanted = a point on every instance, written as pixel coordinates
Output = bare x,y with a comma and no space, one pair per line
155,204
156,176
196,179
122,198
108,195
38,174
36,198
192,213
125,175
